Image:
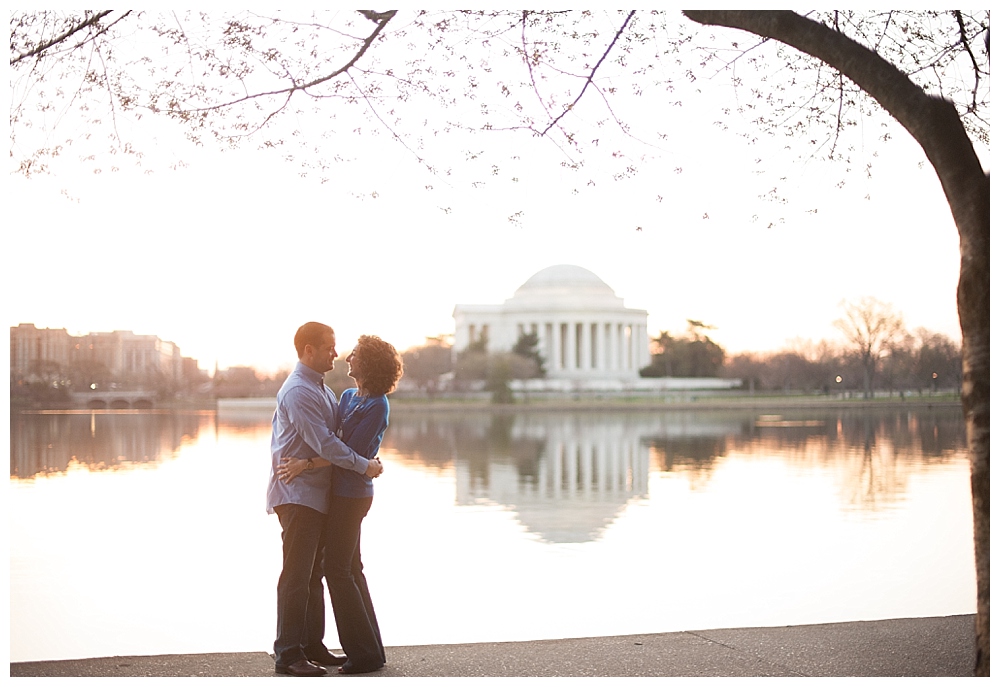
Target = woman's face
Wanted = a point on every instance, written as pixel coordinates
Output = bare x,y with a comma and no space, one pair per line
352,363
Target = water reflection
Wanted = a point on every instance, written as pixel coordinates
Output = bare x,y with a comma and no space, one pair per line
566,475
100,440
808,517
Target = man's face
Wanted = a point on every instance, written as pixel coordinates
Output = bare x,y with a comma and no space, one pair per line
321,357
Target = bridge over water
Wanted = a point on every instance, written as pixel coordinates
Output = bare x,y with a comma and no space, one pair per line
118,400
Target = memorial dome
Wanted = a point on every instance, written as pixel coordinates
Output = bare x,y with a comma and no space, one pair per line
565,285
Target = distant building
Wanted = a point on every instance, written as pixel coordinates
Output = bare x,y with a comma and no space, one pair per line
30,347
134,359
585,331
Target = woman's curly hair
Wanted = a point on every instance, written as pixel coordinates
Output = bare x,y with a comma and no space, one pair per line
380,365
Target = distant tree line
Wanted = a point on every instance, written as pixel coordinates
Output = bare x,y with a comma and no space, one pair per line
50,382
243,382
432,367
923,361
876,353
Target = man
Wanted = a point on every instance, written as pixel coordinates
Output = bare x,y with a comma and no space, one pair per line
304,426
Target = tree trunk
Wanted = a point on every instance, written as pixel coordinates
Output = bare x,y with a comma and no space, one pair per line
868,369
974,315
935,124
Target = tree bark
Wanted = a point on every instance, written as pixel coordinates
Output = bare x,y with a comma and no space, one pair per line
936,126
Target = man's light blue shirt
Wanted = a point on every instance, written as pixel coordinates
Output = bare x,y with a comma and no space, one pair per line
304,426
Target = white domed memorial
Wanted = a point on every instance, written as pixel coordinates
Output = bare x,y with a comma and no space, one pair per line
584,330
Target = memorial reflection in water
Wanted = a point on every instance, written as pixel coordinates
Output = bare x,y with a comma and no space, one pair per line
728,519
568,475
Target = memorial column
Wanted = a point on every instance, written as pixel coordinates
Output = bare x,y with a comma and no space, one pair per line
601,347
573,349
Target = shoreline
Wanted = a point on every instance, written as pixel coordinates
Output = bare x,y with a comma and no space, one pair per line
709,404
603,404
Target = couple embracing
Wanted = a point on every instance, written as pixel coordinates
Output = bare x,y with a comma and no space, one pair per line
323,461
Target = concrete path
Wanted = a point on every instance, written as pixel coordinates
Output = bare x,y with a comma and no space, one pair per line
903,648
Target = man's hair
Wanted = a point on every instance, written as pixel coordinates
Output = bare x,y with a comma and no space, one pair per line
310,333
380,365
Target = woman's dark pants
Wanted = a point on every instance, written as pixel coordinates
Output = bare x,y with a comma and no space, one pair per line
352,604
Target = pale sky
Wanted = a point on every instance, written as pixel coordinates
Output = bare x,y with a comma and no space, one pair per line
229,255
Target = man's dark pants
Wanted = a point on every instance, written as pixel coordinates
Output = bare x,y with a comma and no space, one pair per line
301,614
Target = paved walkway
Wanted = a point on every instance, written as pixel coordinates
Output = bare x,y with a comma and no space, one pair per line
883,648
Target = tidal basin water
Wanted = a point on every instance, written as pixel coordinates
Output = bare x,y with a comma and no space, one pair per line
140,533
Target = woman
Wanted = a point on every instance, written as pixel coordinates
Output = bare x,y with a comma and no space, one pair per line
364,416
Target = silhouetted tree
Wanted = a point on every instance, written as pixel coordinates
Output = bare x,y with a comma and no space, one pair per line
938,362
45,383
527,348
498,378
691,355
425,365
238,382
872,328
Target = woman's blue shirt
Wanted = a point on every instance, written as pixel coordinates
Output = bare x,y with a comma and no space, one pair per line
363,421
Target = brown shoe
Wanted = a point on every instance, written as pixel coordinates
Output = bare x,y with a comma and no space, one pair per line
301,668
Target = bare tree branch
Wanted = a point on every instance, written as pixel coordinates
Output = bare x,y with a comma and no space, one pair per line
590,78
382,19
528,61
396,136
921,114
972,57
42,47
